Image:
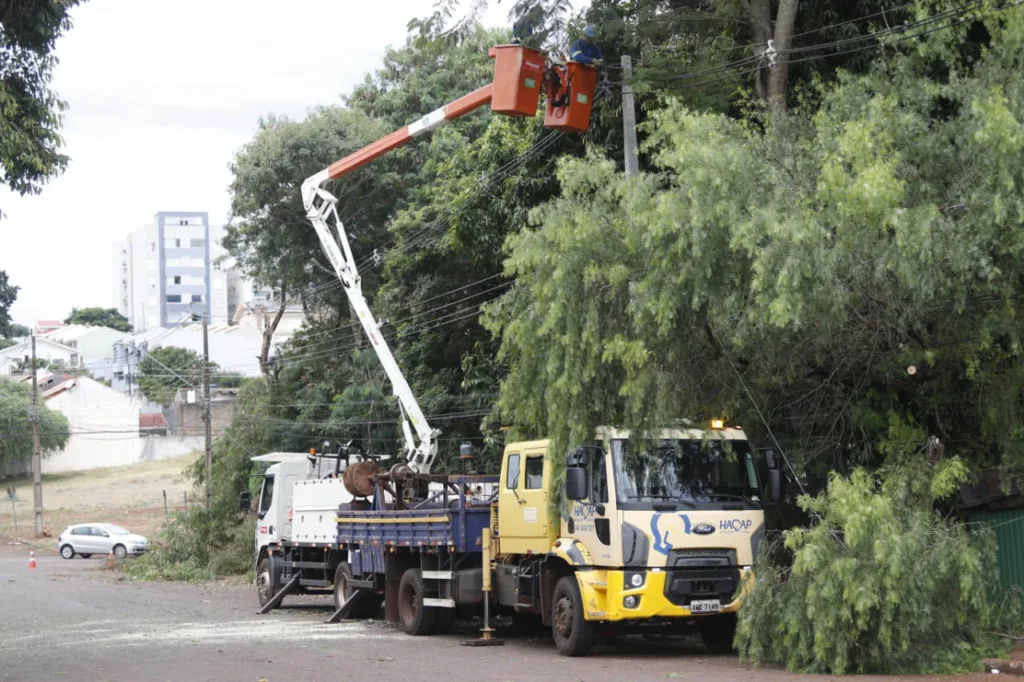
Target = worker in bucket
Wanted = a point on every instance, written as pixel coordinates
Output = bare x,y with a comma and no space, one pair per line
585,50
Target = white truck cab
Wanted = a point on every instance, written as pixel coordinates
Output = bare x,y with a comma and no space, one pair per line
297,506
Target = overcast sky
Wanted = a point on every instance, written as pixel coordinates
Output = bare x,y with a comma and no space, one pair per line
161,96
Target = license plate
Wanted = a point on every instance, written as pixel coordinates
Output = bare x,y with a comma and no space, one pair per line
705,606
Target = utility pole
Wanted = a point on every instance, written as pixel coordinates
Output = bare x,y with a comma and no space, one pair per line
206,413
37,454
629,117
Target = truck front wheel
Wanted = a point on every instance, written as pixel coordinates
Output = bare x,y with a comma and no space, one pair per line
573,634
265,587
416,618
718,633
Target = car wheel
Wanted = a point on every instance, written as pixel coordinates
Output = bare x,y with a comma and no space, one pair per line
67,551
416,618
120,551
85,556
718,633
573,634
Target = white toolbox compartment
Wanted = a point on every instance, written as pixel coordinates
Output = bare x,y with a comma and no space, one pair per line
315,510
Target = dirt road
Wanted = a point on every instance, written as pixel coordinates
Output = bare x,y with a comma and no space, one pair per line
72,620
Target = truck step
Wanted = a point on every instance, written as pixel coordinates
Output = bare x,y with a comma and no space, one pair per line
437,575
316,583
307,564
443,603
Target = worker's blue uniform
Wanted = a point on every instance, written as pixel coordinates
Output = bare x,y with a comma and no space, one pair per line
584,52
522,30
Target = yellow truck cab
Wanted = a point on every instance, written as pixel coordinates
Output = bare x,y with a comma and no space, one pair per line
662,528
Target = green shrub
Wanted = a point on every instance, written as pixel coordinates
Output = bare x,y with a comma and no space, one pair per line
196,546
880,584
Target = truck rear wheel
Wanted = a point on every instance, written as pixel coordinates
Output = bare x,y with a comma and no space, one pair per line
366,604
718,633
574,635
416,618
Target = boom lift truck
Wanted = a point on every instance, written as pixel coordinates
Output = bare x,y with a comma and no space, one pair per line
660,528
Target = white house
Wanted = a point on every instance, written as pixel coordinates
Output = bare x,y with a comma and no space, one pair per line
104,426
46,349
95,344
106,429
234,349
260,312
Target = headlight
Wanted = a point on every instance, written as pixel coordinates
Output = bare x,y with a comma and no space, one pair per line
631,602
633,579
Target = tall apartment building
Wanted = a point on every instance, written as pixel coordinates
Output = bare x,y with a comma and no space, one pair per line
165,271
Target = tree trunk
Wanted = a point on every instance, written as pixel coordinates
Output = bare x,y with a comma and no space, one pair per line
760,12
268,335
778,78
772,84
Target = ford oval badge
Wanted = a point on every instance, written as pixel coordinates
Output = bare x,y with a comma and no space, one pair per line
703,529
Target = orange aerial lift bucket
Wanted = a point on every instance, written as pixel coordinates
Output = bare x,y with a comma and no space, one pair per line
518,75
570,98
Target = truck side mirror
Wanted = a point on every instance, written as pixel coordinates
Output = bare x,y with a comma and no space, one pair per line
771,458
578,458
245,501
576,483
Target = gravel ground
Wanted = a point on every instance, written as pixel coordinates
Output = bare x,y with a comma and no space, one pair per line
72,620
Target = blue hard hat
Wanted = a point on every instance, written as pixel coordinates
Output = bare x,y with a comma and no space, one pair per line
590,31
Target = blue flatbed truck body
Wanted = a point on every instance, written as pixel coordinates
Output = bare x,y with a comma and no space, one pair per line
451,525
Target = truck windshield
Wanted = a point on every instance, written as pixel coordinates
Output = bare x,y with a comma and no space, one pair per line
696,473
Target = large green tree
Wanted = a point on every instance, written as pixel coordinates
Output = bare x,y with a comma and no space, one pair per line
99,317
30,112
16,424
850,271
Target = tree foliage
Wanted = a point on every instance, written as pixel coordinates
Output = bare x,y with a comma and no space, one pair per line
163,371
808,259
8,294
99,317
16,424
30,113
880,584
19,330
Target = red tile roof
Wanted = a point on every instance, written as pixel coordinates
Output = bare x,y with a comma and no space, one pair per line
152,421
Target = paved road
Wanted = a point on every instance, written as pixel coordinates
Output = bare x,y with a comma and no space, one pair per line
71,620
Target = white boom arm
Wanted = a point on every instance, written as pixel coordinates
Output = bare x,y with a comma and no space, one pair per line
421,449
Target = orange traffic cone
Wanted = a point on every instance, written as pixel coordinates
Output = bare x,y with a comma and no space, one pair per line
31,559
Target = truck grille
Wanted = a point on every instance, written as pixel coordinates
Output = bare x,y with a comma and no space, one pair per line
701,574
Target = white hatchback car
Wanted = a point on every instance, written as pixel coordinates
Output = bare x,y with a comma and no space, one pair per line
86,539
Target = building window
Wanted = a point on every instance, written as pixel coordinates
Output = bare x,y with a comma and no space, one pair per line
198,243
177,279
152,246
197,298
174,298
